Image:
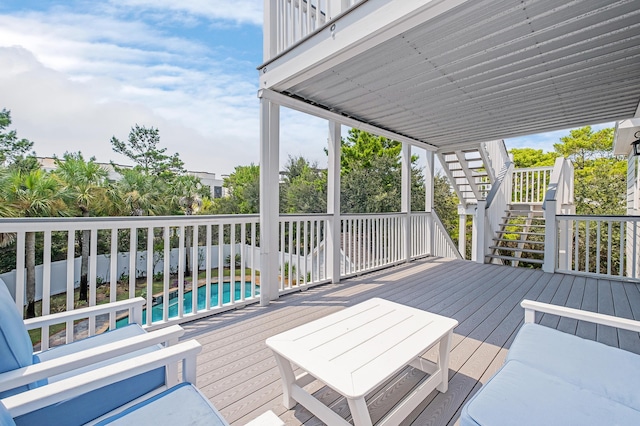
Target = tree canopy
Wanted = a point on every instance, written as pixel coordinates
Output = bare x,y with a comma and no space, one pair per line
142,148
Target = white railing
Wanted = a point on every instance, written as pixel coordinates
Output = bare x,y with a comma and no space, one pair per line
186,267
600,245
287,22
371,241
530,185
141,256
302,251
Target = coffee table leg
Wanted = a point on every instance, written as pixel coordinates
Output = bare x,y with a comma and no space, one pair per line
288,379
443,361
359,412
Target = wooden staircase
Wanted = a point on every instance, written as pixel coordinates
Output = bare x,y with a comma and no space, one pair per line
520,238
467,169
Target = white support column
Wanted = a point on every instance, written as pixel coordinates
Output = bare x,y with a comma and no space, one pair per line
406,198
550,236
269,200
428,199
478,237
332,253
462,231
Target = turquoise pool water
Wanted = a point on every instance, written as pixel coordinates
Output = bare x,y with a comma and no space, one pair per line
158,308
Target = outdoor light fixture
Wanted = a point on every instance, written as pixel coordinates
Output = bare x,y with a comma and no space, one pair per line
636,144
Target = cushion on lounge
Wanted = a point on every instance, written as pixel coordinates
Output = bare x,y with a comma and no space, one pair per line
522,395
609,372
16,350
180,405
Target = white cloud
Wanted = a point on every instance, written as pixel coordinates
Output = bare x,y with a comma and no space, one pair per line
72,81
238,11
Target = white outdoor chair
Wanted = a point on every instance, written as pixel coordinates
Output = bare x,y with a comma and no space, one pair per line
176,401
21,369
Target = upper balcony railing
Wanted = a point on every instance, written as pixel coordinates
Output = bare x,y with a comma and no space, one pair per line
287,22
187,267
530,185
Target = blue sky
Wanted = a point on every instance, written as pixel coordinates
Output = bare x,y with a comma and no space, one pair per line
76,73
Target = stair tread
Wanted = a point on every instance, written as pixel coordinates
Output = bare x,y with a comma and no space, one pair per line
520,259
520,232
518,241
517,249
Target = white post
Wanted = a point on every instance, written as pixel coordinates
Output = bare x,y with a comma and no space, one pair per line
406,198
550,237
269,200
332,253
462,231
478,237
428,199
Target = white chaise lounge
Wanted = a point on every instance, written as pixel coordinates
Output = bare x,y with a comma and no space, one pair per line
555,378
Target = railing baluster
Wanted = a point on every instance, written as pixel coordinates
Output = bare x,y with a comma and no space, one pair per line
71,239
93,276
195,268
576,266
609,252
220,263
598,236
253,259
46,286
150,274
622,248
133,249
587,247
232,264
113,275
243,267
207,267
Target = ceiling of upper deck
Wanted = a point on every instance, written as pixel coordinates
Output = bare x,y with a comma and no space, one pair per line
492,69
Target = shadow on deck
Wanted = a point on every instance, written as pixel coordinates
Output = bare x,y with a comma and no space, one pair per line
239,375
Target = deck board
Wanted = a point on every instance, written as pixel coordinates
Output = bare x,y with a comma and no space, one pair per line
237,372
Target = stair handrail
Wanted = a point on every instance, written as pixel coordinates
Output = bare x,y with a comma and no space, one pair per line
496,154
506,170
560,187
440,233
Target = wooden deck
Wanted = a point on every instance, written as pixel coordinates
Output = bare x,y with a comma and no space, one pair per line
239,375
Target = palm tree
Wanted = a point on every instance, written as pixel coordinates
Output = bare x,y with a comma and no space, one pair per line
33,194
85,183
188,191
141,194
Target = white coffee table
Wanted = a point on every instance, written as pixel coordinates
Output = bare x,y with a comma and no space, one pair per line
355,350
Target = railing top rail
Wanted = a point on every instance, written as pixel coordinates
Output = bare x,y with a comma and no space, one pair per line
615,218
304,216
533,169
508,166
29,224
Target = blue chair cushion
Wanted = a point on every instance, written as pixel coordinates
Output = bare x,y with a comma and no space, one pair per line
181,405
87,407
606,371
16,350
522,395
5,417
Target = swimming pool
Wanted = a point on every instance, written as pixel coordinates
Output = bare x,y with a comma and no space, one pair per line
158,308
